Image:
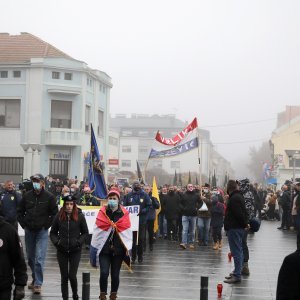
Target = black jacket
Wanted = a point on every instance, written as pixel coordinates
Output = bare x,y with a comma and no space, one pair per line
37,211
171,206
189,203
288,284
12,263
236,216
113,244
69,235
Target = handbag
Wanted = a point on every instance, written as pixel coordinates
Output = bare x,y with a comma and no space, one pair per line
203,207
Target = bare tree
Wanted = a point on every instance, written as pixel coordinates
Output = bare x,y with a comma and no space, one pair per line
257,158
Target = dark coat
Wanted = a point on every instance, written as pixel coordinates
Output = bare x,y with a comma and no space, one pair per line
217,212
9,202
236,216
139,198
37,211
172,206
12,263
189,203
288,284
152,209
69,235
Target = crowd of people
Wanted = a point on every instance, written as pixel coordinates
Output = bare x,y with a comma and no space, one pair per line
190,215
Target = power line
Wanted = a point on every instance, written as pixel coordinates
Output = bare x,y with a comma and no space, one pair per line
240,123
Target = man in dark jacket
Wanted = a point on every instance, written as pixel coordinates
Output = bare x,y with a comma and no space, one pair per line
12,263
171,209
35,214
189,203
235,223
285,202
138,197
289,278
9,201
151,216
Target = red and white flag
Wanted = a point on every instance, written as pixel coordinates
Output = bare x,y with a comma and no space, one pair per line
102,230
179,137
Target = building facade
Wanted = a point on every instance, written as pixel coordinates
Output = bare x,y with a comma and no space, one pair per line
285,146
47,102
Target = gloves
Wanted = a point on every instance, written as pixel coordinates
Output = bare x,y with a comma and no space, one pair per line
19,292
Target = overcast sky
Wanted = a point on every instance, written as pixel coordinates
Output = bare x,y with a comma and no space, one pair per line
226,62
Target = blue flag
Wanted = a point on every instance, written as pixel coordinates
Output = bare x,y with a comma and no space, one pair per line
96,178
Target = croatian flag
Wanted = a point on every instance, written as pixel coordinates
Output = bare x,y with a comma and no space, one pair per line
102,230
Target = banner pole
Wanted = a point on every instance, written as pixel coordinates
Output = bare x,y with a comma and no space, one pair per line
199,160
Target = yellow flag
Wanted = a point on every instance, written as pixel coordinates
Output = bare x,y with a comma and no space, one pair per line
156,195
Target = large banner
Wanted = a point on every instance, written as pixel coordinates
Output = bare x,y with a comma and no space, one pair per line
91,212
190,145
178,137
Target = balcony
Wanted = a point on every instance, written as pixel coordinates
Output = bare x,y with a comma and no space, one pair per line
63,136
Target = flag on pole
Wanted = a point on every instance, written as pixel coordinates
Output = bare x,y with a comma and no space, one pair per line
95,176
156,195
178,137
139,173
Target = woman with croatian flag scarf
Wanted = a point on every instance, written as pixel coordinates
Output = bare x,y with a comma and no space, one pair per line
111,243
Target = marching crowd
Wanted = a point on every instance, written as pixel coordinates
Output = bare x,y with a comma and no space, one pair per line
191,215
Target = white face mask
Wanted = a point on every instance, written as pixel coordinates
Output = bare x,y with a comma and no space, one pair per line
36,186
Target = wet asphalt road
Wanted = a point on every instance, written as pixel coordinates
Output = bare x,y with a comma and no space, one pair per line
169,273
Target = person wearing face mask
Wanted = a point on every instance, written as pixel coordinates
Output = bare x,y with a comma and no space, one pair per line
138,197
171,208
67,234
111,243
36,212
74,191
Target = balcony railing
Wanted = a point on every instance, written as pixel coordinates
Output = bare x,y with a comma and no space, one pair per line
63,136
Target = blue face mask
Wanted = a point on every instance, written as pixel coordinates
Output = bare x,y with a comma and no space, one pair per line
112,204
36,185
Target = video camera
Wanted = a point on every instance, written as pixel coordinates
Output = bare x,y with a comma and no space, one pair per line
26,185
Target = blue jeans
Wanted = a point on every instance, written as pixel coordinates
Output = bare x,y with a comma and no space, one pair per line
235,240
36,247
114,263
162,225
203,229
188,229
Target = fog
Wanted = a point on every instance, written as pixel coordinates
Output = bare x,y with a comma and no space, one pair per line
232,64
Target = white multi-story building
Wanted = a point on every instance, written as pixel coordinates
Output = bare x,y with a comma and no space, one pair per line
47,102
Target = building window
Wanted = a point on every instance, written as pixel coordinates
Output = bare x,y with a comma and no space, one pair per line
87,118
143,149
10,113
126,163
11,165
291,162
157,164
126,148
100,123
89,82
17,74
55,75
143,133
4,74
126,132
113,141
68,76
58,168
61,114
175,164
142,164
